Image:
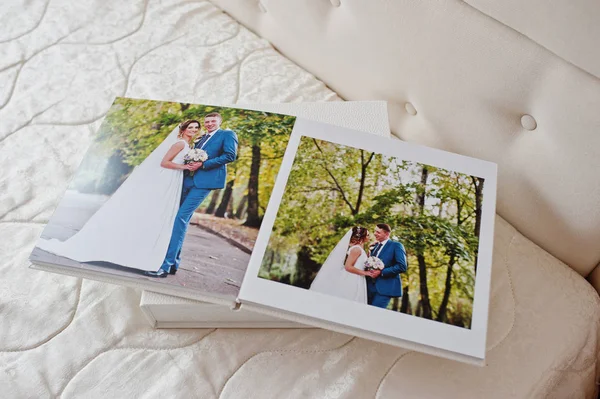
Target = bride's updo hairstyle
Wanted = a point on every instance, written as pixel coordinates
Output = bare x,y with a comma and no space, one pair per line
359,235
184,125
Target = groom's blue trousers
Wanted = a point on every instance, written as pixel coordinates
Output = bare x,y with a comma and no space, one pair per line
374,298
191,198
381,301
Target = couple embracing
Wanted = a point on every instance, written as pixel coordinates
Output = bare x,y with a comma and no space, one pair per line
348,278
143,224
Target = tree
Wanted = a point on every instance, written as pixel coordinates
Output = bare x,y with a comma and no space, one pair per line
225,199
441,316
333,187
365,160
253,219
212,205
133,128
424,290
406,308
478,184
265,136
241,207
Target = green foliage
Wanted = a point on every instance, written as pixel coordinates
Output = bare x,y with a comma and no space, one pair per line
333,187
133,128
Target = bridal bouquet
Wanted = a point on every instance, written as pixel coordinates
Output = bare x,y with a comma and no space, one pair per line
373,263
195,155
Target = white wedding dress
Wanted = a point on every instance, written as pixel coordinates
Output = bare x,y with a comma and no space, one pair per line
333,279
133,228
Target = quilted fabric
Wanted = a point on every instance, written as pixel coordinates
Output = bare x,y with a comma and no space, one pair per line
62,63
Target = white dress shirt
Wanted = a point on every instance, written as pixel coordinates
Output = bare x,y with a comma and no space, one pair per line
210,134
382,245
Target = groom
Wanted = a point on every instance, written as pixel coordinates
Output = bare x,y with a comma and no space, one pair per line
386,284
221,147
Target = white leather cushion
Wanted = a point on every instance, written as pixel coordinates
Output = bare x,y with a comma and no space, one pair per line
568,28
470,79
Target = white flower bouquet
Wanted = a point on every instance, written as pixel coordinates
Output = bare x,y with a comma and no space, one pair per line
373,263
195,155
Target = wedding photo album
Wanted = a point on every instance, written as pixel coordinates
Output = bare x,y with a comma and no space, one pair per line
169,195
297,220
381,236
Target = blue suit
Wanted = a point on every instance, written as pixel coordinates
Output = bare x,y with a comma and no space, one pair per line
221,149
389,283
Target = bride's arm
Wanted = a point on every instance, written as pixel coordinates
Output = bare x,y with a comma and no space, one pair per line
351,260
167,161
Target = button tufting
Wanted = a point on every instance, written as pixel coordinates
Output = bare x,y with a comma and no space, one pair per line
335,3
261,6
528,122
410,108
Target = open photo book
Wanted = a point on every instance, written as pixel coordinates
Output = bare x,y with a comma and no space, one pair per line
287,217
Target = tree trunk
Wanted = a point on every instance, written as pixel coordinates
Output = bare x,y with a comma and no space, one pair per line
270,264
225,200
239,213
478,182
426,305
419,310
305,269
424,290
396,304
421,195
363,176
441,209
339,188
444,305
405,307
213,202
253,219
230,208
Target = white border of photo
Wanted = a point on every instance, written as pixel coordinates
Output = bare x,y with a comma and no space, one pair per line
387,326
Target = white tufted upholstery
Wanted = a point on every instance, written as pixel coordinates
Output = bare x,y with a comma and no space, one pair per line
568,28
458,79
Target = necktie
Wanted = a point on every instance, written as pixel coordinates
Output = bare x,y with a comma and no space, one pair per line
376,249
202,140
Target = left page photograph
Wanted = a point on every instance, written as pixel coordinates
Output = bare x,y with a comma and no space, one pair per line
169,196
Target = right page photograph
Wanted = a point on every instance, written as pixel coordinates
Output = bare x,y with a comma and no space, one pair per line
379,235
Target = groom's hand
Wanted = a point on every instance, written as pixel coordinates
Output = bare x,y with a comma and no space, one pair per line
195,166
375,273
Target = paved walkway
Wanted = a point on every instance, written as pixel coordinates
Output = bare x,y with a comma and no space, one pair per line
209,262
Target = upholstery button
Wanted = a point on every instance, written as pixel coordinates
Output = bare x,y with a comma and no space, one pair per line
528,122
261,6
335,3
410,108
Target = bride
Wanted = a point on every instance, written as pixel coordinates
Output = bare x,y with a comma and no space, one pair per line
134,226
345,279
